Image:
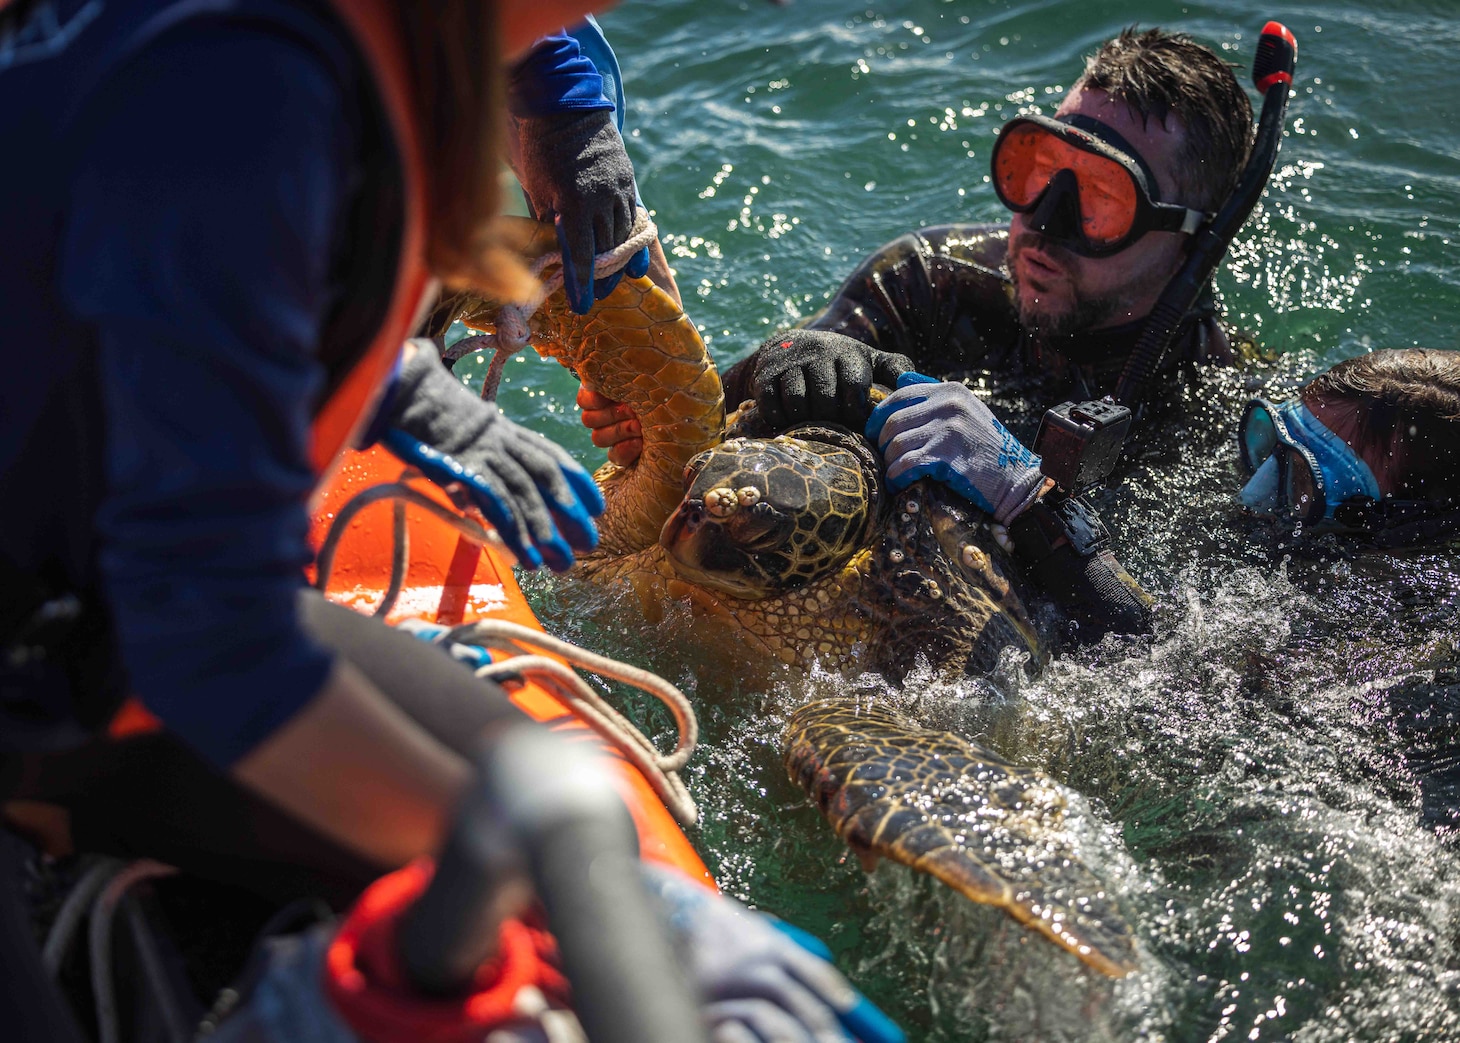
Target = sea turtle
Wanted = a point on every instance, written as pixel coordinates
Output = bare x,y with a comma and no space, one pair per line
793,542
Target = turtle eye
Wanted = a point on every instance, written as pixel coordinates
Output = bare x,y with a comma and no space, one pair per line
693,468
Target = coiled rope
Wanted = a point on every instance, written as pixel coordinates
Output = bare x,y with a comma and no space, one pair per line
98,896
659,770
101,892
512,333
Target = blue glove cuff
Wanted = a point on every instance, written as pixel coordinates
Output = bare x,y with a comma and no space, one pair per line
554,77
864,1020
910,377
883,410
868,1024
443,470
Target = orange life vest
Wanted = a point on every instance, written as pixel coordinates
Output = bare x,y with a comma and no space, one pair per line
375,27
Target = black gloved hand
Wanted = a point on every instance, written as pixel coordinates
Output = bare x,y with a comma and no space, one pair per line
804,375
526,486
574,169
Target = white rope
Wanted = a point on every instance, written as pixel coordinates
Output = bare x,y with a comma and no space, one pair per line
58,939
513,333
641,235
659,770
99,940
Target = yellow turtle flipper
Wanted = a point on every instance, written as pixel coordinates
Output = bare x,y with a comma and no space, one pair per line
989,829
637,347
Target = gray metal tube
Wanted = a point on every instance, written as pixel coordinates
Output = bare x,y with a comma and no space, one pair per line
545,812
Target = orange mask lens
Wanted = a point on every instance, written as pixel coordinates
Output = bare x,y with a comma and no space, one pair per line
1029,157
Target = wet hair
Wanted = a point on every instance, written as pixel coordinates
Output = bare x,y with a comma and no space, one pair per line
454,49
1160,74
1409,401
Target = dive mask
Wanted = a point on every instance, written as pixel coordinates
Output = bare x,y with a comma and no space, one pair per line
1297,467
1082,185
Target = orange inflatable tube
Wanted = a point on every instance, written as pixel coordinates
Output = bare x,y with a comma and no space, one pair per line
451,580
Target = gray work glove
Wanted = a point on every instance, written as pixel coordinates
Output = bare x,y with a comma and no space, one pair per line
810,375
931,429
763,981
541,503
574,169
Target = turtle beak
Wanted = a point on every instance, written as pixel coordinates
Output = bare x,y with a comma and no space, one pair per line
704,553
688,518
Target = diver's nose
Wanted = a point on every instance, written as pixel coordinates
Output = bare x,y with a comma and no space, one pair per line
1261,495
1058,213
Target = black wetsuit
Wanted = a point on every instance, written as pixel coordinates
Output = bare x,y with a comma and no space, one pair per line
942,296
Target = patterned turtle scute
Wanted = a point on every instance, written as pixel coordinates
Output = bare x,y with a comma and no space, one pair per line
991,830
925,601
638,347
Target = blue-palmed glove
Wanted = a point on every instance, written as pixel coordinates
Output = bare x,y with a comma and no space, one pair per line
574,169
932,429
803,375
541,503
763,981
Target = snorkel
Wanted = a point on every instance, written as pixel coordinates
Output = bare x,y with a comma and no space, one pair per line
1272,73
1079,442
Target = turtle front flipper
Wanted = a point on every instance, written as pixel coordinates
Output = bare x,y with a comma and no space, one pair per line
639,348
989,829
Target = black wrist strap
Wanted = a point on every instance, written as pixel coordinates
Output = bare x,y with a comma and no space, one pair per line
1061,543
1054,523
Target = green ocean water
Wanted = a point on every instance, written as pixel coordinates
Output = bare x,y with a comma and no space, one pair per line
1271,785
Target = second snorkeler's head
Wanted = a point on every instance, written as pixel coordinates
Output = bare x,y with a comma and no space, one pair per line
1373,437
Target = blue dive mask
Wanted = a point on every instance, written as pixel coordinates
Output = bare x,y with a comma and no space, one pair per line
1298,467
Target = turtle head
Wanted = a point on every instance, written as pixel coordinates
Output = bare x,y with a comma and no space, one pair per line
765,515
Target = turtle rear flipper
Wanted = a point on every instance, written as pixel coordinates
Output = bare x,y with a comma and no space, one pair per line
991,830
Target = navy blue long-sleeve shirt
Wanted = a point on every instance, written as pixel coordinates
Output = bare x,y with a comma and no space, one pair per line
177,181
573,70
175,214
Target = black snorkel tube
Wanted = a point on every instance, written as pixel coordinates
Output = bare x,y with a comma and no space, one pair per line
1272,73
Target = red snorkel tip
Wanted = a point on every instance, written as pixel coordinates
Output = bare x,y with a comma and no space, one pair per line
1277,55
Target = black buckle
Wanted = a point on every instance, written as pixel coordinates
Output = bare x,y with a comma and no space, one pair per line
1057,521
1083,528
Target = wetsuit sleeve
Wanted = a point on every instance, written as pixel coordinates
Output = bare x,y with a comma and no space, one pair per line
556,76
198,245
936,295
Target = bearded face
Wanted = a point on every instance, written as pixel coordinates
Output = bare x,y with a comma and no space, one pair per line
1048,294
1059,292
